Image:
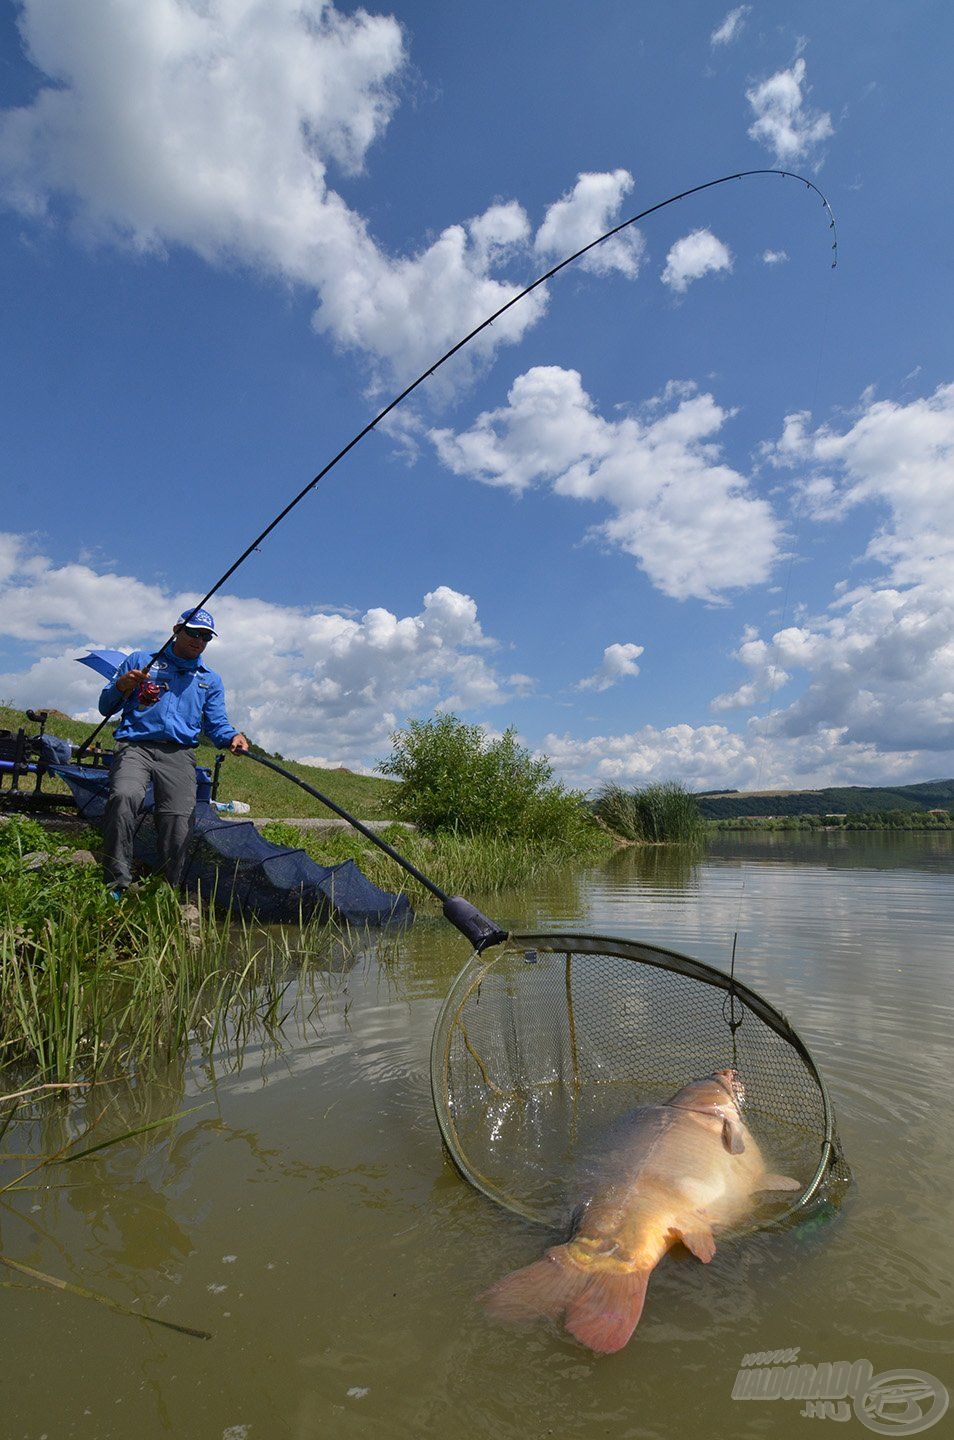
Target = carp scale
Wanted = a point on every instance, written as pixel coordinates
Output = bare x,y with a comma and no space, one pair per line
543,1043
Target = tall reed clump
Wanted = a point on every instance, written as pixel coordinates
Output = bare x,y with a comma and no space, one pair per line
91,987
661,814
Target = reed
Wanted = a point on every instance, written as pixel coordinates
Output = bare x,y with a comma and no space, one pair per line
89,987
661,814
458,863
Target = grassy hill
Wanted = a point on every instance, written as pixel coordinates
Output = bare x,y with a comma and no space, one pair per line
836,800
266,793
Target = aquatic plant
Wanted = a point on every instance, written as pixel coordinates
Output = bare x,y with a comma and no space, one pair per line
664,813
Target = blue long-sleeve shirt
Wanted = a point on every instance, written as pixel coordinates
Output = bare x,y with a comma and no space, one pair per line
192,702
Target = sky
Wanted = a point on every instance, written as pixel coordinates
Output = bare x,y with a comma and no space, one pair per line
686,512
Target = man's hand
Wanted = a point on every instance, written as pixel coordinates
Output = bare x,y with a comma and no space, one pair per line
132,679
238,745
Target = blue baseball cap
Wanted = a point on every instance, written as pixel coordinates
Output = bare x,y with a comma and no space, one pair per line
201,620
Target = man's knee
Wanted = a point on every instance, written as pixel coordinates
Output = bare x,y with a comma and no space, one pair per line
128,780
123,804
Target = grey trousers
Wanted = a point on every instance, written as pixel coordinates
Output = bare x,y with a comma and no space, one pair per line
171,768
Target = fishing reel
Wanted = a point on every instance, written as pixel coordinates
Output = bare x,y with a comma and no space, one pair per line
148,693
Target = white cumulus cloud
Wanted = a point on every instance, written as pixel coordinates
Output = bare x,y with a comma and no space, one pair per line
713,757
590,209
877,666
218,125
618,663
300,681
783,122
690,521
877,669
897,456
692,257
774,257
212,124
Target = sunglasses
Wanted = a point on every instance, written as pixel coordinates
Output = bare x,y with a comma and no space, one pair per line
204,635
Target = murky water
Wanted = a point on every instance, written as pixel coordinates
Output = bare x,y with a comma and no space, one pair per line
308,1218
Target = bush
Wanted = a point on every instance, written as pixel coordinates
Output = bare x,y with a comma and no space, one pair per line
658,814
453,777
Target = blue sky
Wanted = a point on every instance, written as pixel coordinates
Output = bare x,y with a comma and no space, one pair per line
689,513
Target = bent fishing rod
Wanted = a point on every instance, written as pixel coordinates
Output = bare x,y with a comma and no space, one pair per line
449,354
480,931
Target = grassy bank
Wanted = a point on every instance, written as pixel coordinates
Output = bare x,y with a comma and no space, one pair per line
89,987
265,793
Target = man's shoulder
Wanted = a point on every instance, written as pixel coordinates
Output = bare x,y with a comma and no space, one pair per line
208,675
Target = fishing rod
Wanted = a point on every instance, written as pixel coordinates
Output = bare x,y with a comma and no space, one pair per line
480,931
426,374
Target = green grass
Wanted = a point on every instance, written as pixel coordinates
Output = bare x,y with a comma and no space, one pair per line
89,987
267,794
460,864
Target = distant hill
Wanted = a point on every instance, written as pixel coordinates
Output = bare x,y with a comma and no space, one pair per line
837,800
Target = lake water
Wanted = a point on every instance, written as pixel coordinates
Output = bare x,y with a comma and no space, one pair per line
308,1218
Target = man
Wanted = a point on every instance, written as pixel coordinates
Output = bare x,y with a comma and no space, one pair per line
163,714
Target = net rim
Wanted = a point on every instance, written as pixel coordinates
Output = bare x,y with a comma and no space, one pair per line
661,957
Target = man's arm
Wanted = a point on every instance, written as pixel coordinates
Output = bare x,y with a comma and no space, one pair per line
123,683
216,724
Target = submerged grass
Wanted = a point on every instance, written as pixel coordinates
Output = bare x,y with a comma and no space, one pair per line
91,987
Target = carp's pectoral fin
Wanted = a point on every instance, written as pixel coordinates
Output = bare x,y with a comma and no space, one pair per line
732,1137
778,1182
698,1239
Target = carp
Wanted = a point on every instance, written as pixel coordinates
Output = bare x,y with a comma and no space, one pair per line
673,1173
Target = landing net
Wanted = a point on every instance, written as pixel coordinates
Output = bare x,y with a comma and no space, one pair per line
540,1046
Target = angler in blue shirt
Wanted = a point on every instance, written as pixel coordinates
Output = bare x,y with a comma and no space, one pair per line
164,711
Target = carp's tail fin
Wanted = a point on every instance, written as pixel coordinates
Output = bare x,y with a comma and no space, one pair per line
543,1289
607,1310
600,1308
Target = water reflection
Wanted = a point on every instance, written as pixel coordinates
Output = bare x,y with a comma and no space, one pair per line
310,1220
662,867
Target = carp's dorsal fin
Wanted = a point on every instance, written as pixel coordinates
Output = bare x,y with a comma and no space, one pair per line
732,1136
697,1237
778,1182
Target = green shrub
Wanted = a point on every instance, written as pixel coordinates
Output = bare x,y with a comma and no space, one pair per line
453,777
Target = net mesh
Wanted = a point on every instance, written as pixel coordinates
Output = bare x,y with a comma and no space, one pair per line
242,871
541,1046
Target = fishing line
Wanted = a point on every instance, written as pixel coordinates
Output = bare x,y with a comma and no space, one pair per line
774,682
479,930
426,374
